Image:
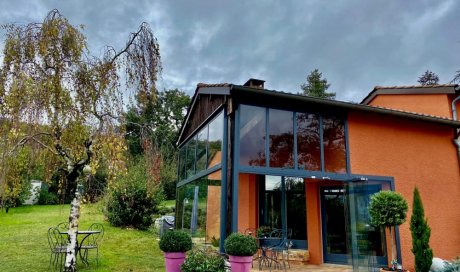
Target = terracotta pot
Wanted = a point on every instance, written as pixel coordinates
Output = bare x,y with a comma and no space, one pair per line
240,263
173,261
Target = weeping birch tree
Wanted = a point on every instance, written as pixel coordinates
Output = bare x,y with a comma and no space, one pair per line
66,104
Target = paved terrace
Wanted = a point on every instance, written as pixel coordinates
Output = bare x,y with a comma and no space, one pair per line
309,267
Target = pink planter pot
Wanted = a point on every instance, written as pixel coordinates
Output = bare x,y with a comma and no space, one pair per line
173,261
240,263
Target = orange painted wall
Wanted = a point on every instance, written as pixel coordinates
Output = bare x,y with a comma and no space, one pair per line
415,154
434,104
213,213
315,247
247,202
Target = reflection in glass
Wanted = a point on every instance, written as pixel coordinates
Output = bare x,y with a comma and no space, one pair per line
198,208
281,138
190,163
201,150
182,159
272,198
216,128
334,144
252,136
296,211
308,142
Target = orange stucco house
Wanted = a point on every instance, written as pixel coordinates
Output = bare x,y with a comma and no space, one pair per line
252,157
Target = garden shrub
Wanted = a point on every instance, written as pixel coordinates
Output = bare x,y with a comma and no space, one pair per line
130,203
238,244
203,261
47,198
175,241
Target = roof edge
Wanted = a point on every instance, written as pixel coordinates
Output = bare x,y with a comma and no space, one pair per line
357,107
421,89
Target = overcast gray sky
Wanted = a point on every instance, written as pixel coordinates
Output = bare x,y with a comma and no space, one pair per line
355,44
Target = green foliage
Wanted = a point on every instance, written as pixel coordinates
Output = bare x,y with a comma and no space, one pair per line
201,261
176,241
428,78
387,209
420,235
238,244
215,242
130,202
157,121
47,198
263,231
316,86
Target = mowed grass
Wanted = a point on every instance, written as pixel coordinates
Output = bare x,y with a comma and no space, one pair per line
24,243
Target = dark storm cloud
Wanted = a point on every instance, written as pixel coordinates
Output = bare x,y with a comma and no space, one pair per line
356,44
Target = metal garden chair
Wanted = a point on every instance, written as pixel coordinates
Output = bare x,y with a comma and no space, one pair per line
91,242
58,247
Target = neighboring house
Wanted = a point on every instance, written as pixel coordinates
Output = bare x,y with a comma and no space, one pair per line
252,157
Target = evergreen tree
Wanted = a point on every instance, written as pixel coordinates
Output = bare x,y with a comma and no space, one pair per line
420,235
428,78
316,86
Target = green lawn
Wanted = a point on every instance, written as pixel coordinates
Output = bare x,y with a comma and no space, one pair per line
24,244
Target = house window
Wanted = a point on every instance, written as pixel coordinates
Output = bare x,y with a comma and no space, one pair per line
198,208
252,135
201,145
281,135
308,142
216,135
334,144
203,151
190,162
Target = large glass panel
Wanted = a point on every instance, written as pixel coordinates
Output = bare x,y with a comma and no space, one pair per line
308,142
201,145
198,209
190,163
185,196
334,145
252,135
182,159
296,211
272,199
334,225
281,138
367,242
216,135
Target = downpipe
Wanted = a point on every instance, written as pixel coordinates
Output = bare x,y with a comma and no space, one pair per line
454,117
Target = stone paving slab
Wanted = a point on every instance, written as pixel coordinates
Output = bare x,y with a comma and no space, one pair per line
309,267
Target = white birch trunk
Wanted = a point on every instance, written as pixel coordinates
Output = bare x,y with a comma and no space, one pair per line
71,255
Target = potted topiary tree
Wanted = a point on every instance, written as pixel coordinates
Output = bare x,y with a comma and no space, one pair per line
388,209
174,244
240,249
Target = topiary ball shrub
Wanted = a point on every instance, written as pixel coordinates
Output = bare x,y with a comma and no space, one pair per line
238,244
387,209
176,241
200,261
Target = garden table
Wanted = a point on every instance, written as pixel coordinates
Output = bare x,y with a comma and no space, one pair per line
85,234
265,244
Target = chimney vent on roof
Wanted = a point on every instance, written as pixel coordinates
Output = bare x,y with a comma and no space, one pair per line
254,83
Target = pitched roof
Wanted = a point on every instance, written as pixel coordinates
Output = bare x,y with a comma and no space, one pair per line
416,89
